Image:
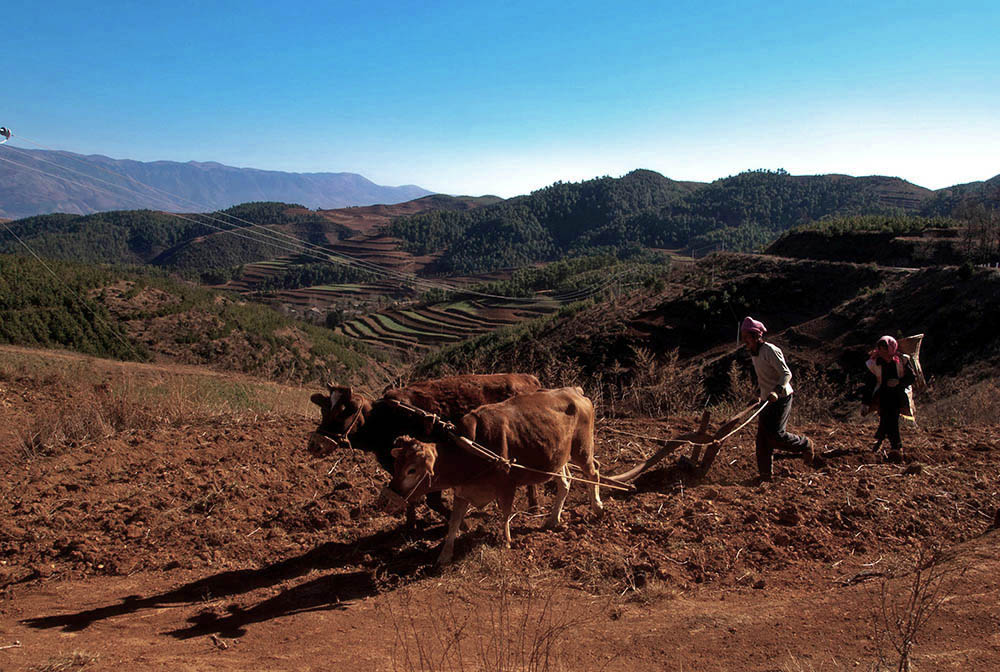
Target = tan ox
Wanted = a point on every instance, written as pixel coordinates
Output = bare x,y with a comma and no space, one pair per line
352,420
539,432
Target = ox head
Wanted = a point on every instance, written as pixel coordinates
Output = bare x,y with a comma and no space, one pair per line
412,473
343,412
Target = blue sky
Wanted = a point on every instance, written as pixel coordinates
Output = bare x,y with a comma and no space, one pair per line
507,97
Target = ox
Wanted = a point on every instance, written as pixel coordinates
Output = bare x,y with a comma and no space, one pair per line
350,419
539,432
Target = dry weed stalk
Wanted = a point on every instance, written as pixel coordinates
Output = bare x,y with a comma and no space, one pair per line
509,628
817,396
661,388
900,613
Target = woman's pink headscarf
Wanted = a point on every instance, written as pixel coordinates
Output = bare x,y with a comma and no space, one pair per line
892,346
752,326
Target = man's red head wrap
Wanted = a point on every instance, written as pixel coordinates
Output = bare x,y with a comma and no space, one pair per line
752,326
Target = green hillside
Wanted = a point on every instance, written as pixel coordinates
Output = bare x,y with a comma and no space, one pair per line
742,212
136,314
190,243
36,309
963,199
675,347
543,226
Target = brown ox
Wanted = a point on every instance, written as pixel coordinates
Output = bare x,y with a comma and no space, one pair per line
350,419
539,432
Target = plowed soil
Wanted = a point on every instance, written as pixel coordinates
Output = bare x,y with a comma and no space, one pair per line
221,544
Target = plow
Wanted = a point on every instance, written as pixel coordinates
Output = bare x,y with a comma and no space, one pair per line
705,444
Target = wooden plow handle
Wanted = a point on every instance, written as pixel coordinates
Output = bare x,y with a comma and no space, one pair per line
698,439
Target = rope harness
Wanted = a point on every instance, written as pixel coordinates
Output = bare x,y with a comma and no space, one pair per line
497,461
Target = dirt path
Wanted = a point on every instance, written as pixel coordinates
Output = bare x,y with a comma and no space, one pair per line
146,622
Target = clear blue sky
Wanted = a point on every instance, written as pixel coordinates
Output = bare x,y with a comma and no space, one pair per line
509,96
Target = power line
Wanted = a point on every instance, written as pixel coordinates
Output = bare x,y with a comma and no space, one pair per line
284,241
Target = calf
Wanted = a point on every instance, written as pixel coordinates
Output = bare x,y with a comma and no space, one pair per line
350,419
538,432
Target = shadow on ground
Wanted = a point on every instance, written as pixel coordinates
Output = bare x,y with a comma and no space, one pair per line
332,591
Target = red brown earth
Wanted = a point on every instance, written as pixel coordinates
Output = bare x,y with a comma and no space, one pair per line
217,542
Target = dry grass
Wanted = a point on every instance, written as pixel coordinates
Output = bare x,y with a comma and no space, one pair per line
955,402
67,663
108,398
524,625
796,665
661,387
817,398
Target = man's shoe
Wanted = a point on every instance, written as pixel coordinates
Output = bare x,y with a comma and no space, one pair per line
808,453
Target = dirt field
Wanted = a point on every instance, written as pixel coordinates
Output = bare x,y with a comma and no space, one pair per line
217,542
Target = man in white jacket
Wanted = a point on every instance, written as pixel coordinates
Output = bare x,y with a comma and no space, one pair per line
774,379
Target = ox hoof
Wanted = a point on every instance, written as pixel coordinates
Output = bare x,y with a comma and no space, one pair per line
552,524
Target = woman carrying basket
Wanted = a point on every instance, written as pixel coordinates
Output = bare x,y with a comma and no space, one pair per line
890,372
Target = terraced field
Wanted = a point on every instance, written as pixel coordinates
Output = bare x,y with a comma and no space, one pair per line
427,328
254,274
382,251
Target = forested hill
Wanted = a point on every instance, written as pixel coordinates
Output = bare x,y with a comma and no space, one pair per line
541,226
140,314
644,208
41,181
961,199
191,243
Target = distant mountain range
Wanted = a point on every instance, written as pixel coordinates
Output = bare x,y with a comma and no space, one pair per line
40,182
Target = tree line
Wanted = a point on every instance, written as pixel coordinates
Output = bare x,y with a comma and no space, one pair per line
643,208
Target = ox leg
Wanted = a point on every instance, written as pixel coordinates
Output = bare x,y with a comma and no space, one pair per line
591,471
435,500
595,490
533,505
562,489
411,517
458,511
436,503
583,457
506,509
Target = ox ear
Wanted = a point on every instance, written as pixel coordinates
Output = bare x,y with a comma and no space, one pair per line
320,400
397,452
